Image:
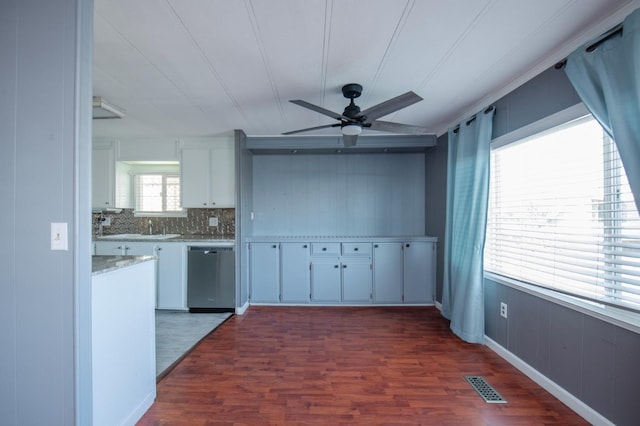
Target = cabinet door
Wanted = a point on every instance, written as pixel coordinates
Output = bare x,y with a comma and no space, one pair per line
103,177
264,271
171,283
194,177
295,272
419,272
325,280
387,273
112,248
356,279
223,177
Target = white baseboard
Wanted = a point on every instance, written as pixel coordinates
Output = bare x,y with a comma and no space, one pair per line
582,409
438,306
241,310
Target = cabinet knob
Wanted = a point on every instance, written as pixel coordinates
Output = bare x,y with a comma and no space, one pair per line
408,245
355,249
204,204
324,249
159,248
119,247
344,266
335,266
304,246
375,246
274,246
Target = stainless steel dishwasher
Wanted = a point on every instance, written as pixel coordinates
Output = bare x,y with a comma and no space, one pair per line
211,279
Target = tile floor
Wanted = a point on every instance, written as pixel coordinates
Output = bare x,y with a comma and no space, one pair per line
177,332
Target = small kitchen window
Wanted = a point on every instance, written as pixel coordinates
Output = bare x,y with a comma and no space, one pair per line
157,194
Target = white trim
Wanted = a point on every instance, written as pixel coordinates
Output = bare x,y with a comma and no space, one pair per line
438,306
242,309
582,409
534,129
610,314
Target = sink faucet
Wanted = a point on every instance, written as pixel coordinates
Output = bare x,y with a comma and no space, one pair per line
150,227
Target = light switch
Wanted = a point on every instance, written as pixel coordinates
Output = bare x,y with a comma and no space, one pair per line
213,221
59,236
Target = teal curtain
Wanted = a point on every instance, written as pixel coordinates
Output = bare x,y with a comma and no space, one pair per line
467,200
607,80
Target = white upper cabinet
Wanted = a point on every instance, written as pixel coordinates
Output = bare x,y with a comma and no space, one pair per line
111,182
207,174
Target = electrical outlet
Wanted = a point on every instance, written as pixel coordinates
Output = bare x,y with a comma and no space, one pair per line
213,221
503,310
106,221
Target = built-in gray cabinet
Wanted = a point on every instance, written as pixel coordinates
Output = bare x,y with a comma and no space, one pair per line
388,274
419,271
356,279
357,275
326,286
264,272
296,286
353,272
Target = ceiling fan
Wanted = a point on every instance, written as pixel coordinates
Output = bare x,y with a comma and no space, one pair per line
352,120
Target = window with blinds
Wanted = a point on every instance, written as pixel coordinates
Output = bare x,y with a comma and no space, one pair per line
562,216
157,193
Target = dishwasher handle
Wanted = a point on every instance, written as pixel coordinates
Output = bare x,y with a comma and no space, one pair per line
209,250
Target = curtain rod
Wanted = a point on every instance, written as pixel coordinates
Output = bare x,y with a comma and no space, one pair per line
613,32
472,119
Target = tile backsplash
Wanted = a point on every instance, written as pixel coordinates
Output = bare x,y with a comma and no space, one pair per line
196,223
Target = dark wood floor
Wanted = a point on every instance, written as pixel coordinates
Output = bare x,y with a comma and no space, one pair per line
370,365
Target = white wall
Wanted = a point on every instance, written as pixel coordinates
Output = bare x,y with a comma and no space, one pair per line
333,194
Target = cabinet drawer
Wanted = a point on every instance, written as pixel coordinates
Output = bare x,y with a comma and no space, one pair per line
325,248
356,249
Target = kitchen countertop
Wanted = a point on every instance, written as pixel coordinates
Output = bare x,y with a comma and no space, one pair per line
104,264
181,239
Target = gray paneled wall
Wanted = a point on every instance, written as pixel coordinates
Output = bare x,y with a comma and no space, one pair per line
346,195
594,360
45,93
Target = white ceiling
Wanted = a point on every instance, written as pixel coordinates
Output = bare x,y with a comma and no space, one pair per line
189,68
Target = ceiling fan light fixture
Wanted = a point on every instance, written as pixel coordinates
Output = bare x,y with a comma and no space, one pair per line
351,129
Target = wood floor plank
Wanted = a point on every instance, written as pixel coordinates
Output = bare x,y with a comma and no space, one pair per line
339,365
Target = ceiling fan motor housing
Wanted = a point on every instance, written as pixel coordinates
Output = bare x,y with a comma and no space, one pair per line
351,90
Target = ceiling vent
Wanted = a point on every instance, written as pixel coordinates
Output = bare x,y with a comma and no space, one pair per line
102,109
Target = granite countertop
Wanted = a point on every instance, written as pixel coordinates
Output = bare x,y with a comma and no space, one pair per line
181,238
104,264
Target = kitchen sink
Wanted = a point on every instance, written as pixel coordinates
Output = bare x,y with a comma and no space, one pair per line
139,236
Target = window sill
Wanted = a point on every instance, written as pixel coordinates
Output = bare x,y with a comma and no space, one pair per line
616,316
160,214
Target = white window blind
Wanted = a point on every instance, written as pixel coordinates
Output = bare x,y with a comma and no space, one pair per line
562,216
157,193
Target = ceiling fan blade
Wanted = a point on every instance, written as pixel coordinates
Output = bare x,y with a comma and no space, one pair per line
326,126
349,140
405,129
316,108
392,105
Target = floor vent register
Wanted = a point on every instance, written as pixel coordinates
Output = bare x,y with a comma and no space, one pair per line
485,390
